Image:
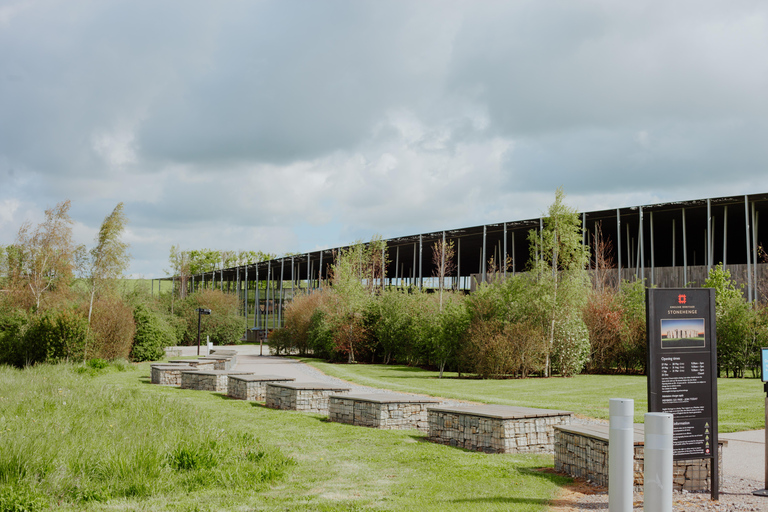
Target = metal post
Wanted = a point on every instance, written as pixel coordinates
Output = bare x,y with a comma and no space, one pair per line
413,270
485,232
749,265
621,454
642,248
618,244
754,253
309,275
280,311
513,253
245,293
266,301
421,259
442,265
505,250
709,235
685,254
657,478
653,261
397,266
458,263
725,235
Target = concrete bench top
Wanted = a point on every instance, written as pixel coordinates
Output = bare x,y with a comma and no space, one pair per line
216,357
171,365
259,378
503,412
602,432
388,398
188,361
221,352
310,385
219,372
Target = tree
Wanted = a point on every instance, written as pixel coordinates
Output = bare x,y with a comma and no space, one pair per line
109,258
558,261
41,258
443,254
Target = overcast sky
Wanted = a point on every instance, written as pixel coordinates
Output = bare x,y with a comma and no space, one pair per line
289,126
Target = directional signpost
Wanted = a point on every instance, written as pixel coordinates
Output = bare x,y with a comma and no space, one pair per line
682,370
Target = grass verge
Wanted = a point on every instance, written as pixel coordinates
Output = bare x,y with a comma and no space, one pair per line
77,439
740,401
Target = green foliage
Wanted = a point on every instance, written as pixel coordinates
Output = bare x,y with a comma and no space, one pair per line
55,335
153,334
223,325
112,327
13,325
21,498
394,325
571,346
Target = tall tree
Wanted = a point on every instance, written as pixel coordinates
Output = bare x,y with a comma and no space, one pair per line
558,261
108,259
443,254
42,257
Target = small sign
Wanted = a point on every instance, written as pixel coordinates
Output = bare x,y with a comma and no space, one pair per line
764,365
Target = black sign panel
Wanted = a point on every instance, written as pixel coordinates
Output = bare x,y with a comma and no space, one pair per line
682,367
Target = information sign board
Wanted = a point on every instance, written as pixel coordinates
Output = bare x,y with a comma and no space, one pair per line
764,364
682,368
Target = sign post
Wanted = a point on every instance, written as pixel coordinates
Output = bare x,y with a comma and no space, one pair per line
682,370
764,378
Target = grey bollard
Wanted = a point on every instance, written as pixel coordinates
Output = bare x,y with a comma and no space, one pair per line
621,454
657,488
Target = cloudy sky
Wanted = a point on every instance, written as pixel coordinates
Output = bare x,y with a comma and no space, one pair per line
287,126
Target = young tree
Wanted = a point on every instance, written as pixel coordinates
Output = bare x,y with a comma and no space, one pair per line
558,261
109,258
41,259
443,254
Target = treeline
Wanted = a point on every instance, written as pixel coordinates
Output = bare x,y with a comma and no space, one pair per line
62,302
554,319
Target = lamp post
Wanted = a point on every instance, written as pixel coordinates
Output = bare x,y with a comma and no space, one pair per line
200,313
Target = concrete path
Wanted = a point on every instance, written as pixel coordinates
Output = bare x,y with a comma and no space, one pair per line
743,458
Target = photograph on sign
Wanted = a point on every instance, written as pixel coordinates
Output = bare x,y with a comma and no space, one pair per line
764,366
683,333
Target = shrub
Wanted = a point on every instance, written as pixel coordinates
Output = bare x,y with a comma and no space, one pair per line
56,335
603,316
281,341
153,334
13,325
320,336
298,316
113,328
570,346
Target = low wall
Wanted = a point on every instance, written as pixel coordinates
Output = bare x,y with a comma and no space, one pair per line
381,410
252,387
306,396
168,375
496,428
582,452
199,363
210,380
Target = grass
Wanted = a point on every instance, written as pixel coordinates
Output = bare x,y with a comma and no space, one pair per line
740,401
104,439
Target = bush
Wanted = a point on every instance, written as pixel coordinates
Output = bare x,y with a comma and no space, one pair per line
280,341
153,334
56,335
298,317
320,336
570,346
113,328
13,325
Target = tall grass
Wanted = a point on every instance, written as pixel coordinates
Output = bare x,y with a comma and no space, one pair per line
67,439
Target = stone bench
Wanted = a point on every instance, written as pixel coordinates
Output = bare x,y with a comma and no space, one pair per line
198,363
224,353
496,428
168,374
302,396
252,387
208,380
390,411
220,362
581,451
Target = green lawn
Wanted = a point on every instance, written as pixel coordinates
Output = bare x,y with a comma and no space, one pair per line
741,402
88,440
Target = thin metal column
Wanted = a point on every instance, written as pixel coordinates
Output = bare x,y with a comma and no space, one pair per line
513,253
642,248
749,264
618,244
754,252
505,250
458,264
442,265
266,299
413,269
685,254
397,266
709,235
257,302
584,236
421,260
320,271
541,239
309,275
725,234
282,293
653,261
245,293
485,232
